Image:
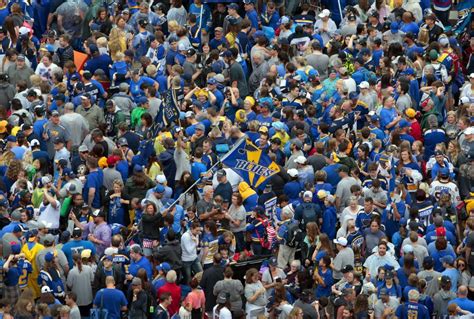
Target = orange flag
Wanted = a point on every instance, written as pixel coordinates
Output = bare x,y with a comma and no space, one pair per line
79,60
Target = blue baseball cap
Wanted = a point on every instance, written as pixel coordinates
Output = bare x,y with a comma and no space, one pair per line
258,33
404,123
212,81
447,259
11,138
137,168
234,6
375,118
142,100
163,267
159,189
444,172
364,51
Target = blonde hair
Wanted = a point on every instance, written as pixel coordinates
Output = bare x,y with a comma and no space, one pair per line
118,182
117,43
102,42
173,26
424,36
36,80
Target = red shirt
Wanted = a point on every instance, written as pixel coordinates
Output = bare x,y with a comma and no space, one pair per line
175,292
416,131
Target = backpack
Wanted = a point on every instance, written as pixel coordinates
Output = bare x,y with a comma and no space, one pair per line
309,213
294,235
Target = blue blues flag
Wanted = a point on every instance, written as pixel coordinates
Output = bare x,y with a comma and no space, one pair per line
253,165
169,111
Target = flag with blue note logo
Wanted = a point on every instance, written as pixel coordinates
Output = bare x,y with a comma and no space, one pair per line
253,165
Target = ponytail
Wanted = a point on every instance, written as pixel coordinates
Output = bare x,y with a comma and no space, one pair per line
77,259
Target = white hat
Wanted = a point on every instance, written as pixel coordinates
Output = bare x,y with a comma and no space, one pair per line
189,114
341,241
24,30
300,159
468,131
182,46
34,142
471,75
464,100
407,249
325,13
330,198
364,85
293,172
308,194
45,290
161,179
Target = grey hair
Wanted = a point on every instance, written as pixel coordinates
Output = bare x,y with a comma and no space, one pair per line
69,106
432,120
171,276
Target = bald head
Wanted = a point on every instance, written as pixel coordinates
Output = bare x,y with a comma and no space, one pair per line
462,291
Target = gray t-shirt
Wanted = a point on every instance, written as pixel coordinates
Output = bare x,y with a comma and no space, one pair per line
81,284
372,239
238,213
189,68
75,313
320,62
344,257
343,190
380,306
232,287
110,175
318,161
202,206
431,277
236,73
403,103
251,289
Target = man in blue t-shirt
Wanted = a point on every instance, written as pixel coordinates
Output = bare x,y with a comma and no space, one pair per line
111,299
76,245
94,182
462,301
412,309
251,14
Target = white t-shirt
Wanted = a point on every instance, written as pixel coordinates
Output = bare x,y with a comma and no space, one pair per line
50,215
224,313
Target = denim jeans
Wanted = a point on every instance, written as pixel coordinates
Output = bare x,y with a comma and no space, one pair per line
190,268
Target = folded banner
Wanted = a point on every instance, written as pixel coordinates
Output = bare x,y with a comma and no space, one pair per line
251,163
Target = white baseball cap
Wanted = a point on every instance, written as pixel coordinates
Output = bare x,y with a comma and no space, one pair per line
300,159
161,179
364,85
325,13
469,130
308,194
45,290
341,241
293,172
464,100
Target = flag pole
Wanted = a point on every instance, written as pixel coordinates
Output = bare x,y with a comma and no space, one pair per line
236,145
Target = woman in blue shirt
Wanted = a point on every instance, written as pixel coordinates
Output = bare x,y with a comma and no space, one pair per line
118,205
323,278
393,289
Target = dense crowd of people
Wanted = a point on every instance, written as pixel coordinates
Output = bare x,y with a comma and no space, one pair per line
116,117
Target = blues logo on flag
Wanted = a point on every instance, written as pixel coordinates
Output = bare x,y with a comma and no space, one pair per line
251,163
